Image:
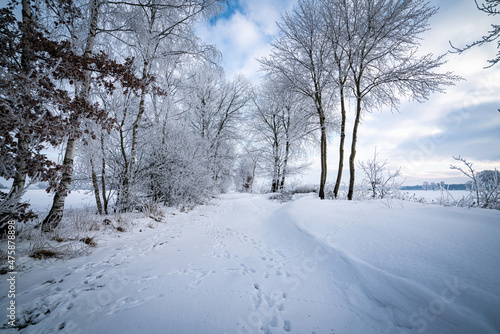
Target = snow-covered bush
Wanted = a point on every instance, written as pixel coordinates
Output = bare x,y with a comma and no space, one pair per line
283,196
484,186
381,181
178,170
244,175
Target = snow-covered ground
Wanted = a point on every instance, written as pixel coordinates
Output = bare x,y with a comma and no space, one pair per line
244,264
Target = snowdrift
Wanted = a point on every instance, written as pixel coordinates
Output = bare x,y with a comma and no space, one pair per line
407,267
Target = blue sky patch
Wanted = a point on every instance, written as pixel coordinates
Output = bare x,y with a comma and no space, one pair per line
232,7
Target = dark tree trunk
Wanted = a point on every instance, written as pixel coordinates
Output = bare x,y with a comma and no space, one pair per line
353,148
103,177
342,141
95,184
285,165
323,158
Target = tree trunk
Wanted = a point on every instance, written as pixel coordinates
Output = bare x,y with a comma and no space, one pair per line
353,148
253,177
129,173
323,157
124,182
22,145
276,167
95,184
285,164
10,204
56,212
19,181
342,141
21,169
103,177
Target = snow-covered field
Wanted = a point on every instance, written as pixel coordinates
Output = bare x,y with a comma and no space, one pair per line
244,264
40,201
437,196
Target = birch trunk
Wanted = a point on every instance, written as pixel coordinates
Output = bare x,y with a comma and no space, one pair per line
56,212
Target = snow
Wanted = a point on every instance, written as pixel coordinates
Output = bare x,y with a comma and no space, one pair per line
437,196
40,201
244,264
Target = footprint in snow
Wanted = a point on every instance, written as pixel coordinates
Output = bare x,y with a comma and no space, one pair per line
287,327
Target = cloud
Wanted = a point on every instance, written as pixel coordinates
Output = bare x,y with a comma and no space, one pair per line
243,36
423,137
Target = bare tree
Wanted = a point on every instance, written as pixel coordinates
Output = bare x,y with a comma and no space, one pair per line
382,181
94,68
384,65
57,209
489,7
489,181
470,173
281,125
215,109
335,33
484,184
300,54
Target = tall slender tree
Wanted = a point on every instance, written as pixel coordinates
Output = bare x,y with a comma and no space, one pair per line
300,53
280,126
334,29
382,51
57,209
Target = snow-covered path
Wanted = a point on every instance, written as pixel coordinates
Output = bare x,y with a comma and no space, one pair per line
249,265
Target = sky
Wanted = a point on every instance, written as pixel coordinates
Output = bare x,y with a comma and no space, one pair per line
421,138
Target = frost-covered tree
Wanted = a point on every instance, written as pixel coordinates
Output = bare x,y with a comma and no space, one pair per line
334,30
280,125
382,50
94,68
91,165
23,84
39,97
176,169
157,31
214,110
300,53
484,184
382,181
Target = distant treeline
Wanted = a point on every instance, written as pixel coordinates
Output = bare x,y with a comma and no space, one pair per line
437,186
